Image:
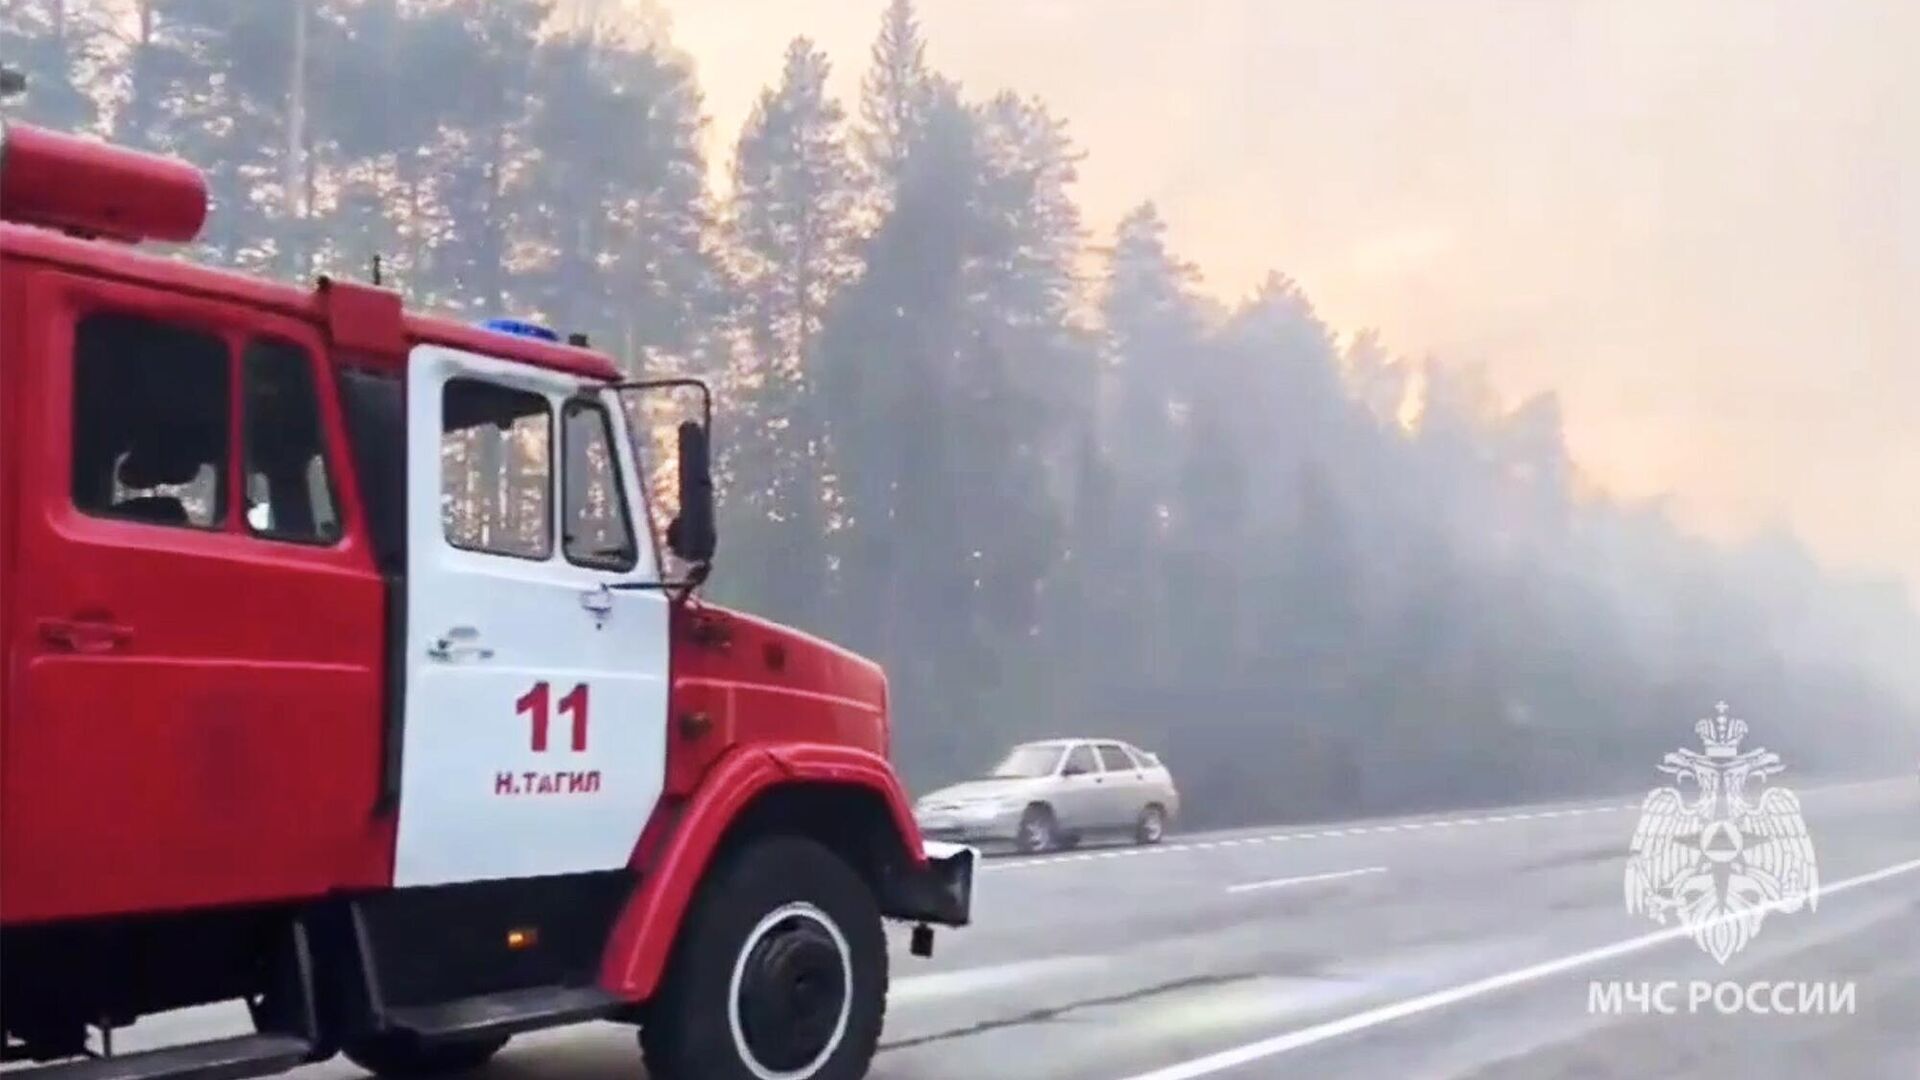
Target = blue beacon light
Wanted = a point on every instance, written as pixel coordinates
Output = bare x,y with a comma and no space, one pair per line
520,328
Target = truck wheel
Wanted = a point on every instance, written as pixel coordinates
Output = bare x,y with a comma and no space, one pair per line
1038,832
780,972
1152,825
413,1057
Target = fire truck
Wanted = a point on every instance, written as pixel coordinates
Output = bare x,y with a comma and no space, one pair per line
284,722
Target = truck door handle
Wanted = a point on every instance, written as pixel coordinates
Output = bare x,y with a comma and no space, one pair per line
85,635
598,603
459,643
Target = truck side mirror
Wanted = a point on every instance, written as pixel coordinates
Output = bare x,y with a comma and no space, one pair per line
691,534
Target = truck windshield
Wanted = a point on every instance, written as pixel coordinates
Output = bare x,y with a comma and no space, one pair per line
1027,762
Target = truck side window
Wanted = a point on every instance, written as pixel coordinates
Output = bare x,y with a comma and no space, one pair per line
150,408
496,469
289,489
596,530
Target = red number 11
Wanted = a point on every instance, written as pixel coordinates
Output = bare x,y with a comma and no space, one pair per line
535,703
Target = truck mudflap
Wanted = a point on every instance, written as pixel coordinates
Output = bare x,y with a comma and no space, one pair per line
939,892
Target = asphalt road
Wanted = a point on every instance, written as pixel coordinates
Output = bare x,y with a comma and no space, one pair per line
1459,946
1453,946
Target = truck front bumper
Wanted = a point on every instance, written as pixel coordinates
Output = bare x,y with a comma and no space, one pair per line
939,892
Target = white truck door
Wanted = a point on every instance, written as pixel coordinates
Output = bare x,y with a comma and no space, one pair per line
536,697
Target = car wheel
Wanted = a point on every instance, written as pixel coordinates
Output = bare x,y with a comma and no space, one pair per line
1038,832
780,973
1152,825
410,1056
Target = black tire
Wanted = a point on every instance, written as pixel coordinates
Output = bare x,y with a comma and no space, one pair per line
413,1057
1152,826
1038,830
708,1022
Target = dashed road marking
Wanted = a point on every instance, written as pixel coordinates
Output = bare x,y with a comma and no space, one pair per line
1384,1014
1322,834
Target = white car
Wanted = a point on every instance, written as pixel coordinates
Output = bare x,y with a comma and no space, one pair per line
1050,794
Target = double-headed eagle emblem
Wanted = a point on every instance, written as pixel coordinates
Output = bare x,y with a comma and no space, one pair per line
1719,862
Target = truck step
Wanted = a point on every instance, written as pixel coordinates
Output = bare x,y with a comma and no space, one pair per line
506,1013
220,1059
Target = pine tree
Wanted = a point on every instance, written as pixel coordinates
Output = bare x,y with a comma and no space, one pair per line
179,101
889,357
1028,244
791,232
1024,368
385,200
53,45
1155,326
1155,323
896,95
617,210
1379,381
791,223
481,160
278,62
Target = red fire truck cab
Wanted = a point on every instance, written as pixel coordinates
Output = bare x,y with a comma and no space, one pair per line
344,677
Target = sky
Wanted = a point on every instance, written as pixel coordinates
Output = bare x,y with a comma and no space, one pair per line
1698,223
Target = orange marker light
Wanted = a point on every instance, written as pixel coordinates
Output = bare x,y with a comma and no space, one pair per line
523,938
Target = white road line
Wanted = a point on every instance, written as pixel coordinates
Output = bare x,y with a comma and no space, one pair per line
1322,834
1280,882
1360,1021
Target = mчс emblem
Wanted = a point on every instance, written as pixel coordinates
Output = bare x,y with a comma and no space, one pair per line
1721,861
